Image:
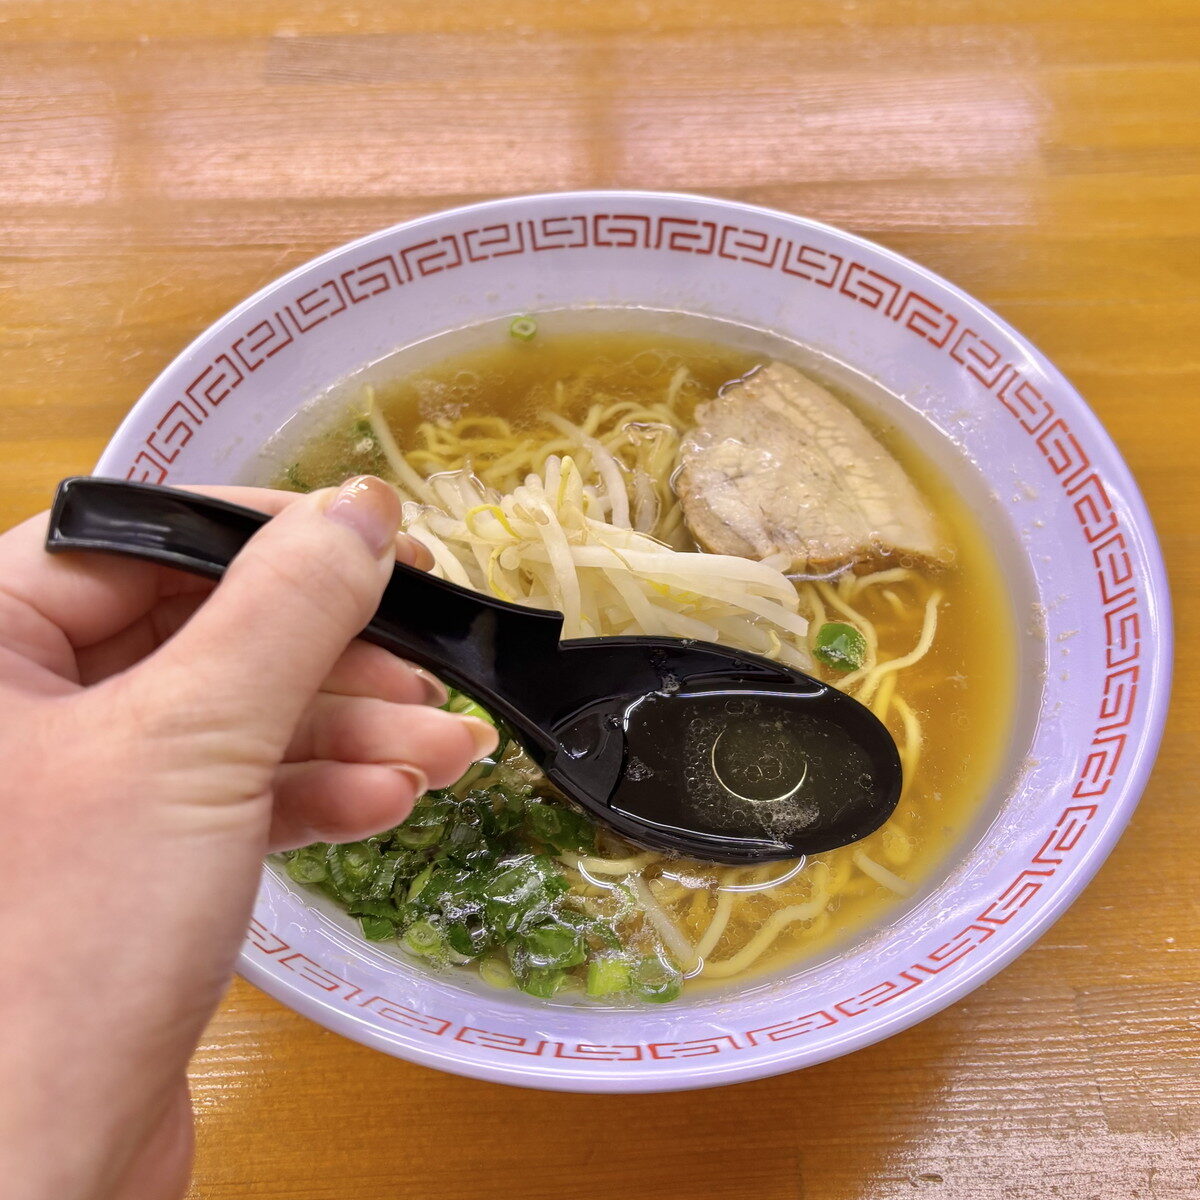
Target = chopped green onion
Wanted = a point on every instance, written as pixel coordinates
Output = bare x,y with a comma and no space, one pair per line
543,982
560,828
417,837
464,842
418,885
606,976
295,480
377,929
520,889
423,938
356,864
496,972
656,981
433,808
523,329
373,908
841,646
342,884
604,933
554,944
384,878
464,706
307,865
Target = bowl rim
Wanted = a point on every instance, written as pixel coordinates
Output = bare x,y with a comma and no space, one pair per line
695,1073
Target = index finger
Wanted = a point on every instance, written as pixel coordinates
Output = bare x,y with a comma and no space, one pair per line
85,598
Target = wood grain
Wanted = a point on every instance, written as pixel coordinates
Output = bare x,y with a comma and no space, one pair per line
160,160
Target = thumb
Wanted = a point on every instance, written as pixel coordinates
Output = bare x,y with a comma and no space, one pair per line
254,654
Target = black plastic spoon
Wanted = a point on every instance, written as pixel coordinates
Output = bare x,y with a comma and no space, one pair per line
680,746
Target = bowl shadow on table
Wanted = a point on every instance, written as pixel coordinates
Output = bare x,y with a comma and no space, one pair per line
356,1124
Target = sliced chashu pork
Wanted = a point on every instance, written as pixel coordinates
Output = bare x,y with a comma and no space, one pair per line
778,465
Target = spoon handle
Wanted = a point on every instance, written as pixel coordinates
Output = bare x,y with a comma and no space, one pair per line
495,651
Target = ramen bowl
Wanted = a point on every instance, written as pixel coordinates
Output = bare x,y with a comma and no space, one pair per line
1057,504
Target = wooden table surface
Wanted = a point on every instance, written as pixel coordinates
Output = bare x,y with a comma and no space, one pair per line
161,159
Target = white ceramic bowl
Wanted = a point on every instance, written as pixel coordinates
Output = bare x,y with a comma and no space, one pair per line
1062,511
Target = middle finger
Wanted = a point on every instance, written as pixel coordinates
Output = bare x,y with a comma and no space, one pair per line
366,670
358,729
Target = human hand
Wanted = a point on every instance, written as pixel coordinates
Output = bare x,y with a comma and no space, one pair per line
159,737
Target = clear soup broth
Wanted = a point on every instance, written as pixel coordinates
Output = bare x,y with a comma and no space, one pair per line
497,410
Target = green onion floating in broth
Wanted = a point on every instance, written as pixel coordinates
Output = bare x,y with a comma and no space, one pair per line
554,944
377,929
423,938
524,329
542,982
840,646
607,976
307,865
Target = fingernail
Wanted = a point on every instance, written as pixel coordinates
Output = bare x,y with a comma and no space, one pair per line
435,690
415,776
371,508
484,736
412,553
